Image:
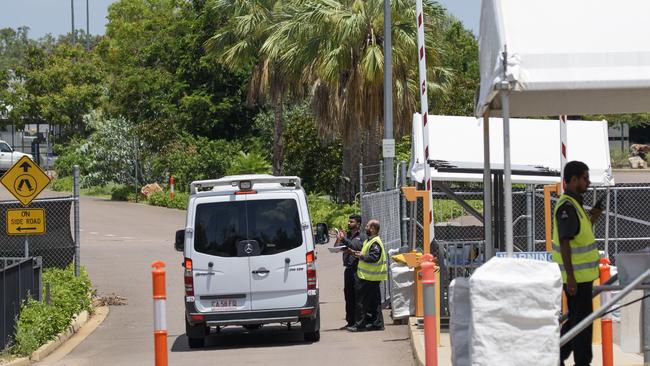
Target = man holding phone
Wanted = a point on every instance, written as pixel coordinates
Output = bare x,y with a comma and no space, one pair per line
353,241
576,251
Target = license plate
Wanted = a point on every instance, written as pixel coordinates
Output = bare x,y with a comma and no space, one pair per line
225,304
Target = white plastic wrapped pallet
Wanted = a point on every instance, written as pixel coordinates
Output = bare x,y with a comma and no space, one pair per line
515,304
459,322
402,281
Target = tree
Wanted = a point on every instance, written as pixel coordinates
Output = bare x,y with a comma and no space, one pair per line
160,78
338,48
240,45
57,87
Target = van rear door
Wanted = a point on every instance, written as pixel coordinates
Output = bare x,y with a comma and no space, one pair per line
221,274
278,273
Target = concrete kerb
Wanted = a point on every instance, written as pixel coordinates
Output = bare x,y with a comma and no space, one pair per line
417,345
79,322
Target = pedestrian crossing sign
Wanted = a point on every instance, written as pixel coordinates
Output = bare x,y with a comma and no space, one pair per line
25,180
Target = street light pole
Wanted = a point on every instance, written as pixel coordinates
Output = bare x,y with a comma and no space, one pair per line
72,18
87,26
388,143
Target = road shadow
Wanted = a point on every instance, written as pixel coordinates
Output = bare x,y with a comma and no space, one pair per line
239,338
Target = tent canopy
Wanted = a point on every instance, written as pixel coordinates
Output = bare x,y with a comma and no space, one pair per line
533,143
565,57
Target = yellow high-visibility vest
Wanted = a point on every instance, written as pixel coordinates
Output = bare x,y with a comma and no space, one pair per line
373,271
584,250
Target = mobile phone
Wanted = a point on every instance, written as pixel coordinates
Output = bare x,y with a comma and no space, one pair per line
599,203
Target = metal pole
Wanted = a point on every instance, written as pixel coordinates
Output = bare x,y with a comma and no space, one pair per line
507,171
604,308
403,184
529,218
382,173
360,179
487,189
646,328
616,221
388,93
136,170
26,246
87,26
77,231
533,220
74,38
607,224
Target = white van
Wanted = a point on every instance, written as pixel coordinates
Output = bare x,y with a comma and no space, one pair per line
249,256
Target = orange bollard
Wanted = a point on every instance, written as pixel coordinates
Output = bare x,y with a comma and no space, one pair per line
171,187
429,297
606,320
159,313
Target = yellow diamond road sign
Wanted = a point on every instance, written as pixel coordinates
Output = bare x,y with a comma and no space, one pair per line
28,221
25,180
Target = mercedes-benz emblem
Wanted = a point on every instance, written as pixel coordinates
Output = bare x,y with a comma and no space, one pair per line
248,249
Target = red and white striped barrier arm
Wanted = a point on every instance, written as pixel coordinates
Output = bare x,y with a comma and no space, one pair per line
563,150
424,109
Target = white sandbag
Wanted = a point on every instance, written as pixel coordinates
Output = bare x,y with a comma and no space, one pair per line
515,304
459,322
402,280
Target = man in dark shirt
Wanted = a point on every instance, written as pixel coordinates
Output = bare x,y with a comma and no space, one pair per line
352,240
569,238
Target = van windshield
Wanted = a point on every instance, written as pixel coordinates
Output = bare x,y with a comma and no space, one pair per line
273,224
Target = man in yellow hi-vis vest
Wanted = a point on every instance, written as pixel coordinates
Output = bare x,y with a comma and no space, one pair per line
576,252
371,270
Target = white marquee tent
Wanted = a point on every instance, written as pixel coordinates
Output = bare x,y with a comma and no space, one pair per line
558,57
534,143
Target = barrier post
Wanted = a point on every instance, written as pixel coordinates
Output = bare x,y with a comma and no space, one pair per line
430,326
171,187
606,320
159,313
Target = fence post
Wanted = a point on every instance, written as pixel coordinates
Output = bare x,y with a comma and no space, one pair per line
26,246
381,175
360,180
430,326
529,219
77,231
159,313
402,183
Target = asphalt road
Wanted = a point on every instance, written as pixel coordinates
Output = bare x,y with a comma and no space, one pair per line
119,243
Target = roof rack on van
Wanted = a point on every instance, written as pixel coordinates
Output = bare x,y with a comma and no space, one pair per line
199,185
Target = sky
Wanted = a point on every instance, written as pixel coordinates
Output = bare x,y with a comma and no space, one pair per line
53,16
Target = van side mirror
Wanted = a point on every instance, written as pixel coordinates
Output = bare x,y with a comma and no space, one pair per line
322,233
179,244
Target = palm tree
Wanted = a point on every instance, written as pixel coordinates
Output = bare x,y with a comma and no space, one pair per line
238,45
336,46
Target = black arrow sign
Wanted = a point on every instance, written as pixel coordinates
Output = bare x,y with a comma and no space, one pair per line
25,228
25,166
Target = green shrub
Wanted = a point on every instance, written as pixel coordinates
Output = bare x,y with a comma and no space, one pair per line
162,199
71,154
322,209
62,184
39,322
123,192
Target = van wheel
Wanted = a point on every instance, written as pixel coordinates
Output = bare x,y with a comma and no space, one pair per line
195,334
312,336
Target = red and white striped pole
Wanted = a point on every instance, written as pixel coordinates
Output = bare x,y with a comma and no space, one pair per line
563,150
159,313
171,187
424,111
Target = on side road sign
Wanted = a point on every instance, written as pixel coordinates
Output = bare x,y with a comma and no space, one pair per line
25,180
28,221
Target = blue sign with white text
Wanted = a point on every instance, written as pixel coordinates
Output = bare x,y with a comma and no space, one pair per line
538,256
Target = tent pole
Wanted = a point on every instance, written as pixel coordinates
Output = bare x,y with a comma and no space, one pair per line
487,188
507,170
607,224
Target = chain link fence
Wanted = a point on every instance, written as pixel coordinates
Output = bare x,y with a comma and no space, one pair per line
20,278
385,207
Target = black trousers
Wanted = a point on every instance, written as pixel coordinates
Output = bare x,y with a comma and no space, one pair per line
368,304
349,290
580,306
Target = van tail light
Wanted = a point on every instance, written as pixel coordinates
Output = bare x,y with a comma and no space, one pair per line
189,279
311,271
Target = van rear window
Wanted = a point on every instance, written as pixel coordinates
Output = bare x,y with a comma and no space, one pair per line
220,227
